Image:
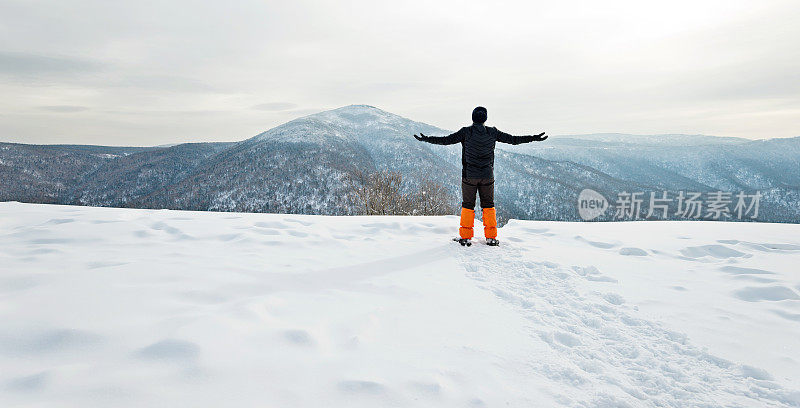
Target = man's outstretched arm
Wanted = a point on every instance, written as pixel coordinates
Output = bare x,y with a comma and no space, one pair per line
457,137
515,140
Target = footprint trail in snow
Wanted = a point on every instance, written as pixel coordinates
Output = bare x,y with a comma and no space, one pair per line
601,347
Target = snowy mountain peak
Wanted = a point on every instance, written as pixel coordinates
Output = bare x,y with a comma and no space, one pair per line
358,108
357,115
350,122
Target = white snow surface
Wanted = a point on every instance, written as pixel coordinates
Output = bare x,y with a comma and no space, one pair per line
136,308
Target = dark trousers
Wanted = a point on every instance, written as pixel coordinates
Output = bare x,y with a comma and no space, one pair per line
484,187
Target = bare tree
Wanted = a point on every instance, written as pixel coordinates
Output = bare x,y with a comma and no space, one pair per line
383,193
432,198
379,193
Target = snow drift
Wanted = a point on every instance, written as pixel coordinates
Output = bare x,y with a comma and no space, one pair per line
123,307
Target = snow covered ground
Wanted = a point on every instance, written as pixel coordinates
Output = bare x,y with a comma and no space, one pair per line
121,307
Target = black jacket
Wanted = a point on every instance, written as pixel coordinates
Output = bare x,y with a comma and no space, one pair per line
477,148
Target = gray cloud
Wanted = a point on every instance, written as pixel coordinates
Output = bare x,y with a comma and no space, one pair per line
64,108
167,113
153,74
17,63
275,106
167,83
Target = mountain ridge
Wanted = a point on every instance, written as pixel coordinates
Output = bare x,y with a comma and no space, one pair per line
301,166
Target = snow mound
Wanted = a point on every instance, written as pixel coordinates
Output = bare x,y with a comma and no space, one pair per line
122,307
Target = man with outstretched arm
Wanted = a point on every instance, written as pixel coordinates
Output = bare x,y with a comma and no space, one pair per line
477,171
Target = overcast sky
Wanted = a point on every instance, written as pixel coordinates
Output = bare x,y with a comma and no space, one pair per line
158,72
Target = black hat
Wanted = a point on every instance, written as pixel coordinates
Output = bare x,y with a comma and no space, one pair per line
479,115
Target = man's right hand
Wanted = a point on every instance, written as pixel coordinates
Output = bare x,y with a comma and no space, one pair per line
539,137
421,137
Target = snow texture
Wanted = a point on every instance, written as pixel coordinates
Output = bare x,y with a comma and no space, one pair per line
123,307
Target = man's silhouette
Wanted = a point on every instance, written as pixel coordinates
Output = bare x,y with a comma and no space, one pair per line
477,170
